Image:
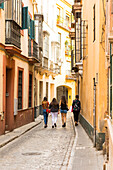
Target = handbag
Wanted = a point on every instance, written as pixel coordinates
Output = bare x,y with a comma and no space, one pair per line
48,110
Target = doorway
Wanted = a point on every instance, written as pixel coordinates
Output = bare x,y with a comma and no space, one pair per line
9,117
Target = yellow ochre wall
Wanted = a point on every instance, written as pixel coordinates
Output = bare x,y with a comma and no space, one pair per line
94,64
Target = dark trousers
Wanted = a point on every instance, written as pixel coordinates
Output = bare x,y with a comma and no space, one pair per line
75,114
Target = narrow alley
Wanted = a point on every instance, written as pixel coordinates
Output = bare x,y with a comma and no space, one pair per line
48,149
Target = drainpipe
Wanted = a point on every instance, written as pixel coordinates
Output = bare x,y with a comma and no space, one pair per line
94,111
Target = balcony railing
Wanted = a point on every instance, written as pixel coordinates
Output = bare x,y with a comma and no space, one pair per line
63,23
69,75
77,1
56,68
33,50
45,62
12,33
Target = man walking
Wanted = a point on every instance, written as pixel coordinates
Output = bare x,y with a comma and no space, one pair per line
76,106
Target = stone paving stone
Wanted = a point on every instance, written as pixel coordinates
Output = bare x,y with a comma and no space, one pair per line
39,148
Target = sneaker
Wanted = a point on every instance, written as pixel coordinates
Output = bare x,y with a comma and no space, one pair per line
76,124
45,126
55,125
64,124
52,126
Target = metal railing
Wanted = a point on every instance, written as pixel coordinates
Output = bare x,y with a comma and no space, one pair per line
45,62
63,23
12,33
33,52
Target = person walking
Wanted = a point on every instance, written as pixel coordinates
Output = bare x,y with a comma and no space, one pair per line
76,106
54,107
45,105
64,107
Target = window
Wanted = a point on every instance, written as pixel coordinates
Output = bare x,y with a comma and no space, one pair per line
67,20
111,6
13,11
46,46
59,38
20,89
30,90
94,23
2,5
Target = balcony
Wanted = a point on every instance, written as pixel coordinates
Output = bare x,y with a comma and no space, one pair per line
61,22
69,75
72,35
56,68
77,7
33,51
45,62
12,33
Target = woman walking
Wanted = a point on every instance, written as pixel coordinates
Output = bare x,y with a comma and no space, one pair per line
64,107
45,105
54,107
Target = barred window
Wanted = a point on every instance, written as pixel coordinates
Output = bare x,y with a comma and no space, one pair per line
111,6
46,46
30,90
94,37
20,89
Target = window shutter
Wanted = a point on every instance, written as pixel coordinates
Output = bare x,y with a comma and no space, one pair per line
2,5
29,20
25,18
112,6
32,29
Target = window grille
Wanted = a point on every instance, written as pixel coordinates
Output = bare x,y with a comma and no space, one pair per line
20,89
30,90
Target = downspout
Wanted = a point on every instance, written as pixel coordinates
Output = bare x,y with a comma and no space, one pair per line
94,112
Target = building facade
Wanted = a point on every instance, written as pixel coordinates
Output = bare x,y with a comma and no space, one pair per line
90,67
65,82
18,54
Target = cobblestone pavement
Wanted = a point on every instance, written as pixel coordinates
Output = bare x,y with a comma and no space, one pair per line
44,149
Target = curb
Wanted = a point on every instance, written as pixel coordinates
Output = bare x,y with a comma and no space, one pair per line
15,137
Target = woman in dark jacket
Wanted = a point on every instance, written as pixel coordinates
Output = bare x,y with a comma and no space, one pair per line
54,107
64,107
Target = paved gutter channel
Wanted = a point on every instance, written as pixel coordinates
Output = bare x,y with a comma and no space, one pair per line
68,159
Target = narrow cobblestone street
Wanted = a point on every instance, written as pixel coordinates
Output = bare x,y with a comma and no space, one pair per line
40,148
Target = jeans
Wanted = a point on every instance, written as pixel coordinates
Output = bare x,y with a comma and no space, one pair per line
45,116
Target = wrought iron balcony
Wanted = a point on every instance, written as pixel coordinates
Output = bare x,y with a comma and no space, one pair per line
56,68
12,33
72,35
45,62
63,23
33,50
69,75
77,6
